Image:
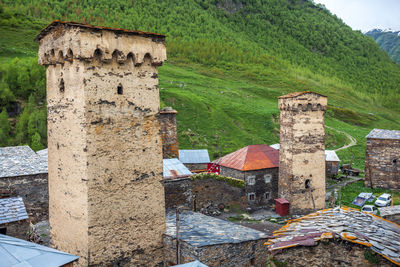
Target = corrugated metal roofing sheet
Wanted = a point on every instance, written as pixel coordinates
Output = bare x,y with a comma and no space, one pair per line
194,156
173,168
192,264
20,160
12,210
330,155
249,158
20,253
384,134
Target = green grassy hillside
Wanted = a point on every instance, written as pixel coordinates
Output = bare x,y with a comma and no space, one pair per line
389,41
228,61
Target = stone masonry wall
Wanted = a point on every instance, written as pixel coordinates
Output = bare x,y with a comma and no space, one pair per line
332,253
331,168
34,191
196,166
105,152
249,253
302,151
382,164
169,135
217,192
260,188
178,192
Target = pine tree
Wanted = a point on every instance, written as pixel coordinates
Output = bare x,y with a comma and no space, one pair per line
36,143
4,128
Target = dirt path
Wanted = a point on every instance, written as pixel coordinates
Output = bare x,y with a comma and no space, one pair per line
353,141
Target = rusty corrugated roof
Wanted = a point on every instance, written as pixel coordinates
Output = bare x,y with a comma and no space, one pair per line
250,158
294,94
82,25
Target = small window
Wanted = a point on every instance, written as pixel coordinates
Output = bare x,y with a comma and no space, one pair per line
394,161
267,196
61,85
251,196
307,183
251,180
267,178
120,90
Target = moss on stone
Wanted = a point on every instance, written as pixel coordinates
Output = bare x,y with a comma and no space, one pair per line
231,181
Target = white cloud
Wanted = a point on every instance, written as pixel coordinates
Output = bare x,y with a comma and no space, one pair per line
365,15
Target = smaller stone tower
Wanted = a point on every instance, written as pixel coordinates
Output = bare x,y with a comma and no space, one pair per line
302,151
106,199
169,133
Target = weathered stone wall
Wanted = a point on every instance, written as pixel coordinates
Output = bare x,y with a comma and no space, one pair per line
332,253
196,166
260,188
382,164
217,192
302,151
105,152
249,253
17,229
178,192
34,191
169,135
331,168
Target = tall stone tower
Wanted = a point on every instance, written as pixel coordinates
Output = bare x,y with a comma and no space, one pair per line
105,165
169,133
302,151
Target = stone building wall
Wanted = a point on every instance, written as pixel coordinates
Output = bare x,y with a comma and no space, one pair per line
382,163
17,229
178,192
331,168
302,151
34,191
217,192
104,145
249,253
332,253
265,193
169,135
195,167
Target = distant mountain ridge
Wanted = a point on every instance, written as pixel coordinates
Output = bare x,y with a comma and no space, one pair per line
388,40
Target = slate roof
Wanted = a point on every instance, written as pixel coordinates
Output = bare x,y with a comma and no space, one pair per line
330,155
200,230
20,253
384,134
349,224
249,158
192,156
173,168
20,160
43,157
12,210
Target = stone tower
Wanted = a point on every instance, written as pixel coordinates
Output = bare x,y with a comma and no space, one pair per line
169,133
302,151
106,200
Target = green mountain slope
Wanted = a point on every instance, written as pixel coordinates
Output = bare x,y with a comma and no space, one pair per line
228,61
389,41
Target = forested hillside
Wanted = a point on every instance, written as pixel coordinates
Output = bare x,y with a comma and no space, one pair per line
389,41
228,61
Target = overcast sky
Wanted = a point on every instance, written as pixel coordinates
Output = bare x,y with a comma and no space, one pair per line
365,15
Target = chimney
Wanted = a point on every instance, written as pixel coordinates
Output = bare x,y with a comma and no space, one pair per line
169,133
106,200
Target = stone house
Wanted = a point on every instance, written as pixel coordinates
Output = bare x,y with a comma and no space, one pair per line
382,159
13,217
195,159
23,173
212,241
257,165
331,163
340,237
169,135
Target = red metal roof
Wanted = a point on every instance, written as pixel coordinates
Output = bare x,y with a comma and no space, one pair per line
250,158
